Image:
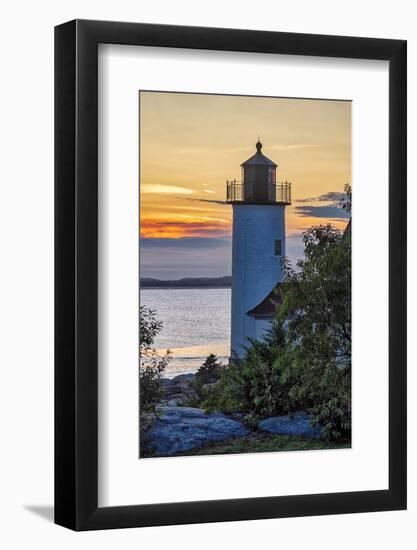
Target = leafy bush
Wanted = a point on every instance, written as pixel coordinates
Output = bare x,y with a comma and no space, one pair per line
152,365
255,385
208,374
316,301
228,395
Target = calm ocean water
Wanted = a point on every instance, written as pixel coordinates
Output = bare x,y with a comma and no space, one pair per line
196,322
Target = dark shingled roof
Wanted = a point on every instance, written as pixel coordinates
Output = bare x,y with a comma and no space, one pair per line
259,158
268,306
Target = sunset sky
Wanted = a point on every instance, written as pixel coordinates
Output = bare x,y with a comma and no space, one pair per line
190,144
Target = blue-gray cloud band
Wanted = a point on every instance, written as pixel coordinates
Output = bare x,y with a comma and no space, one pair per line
332,211
332,196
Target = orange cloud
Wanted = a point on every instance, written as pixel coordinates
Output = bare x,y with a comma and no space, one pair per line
177,228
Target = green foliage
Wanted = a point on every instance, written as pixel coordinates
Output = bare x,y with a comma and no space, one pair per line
209,371
228,395
255,385
208,374
316,300
305,360
346,202
152,365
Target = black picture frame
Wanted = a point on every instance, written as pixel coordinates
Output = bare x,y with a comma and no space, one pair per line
76,271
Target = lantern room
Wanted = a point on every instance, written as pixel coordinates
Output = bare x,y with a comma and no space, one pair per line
258,184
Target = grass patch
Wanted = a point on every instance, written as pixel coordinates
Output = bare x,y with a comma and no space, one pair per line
263,443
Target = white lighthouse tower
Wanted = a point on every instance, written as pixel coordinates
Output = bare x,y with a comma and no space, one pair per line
259,203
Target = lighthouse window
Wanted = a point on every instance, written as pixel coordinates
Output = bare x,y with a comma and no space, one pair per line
278,247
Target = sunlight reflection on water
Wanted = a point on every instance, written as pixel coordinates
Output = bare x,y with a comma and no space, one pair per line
196,322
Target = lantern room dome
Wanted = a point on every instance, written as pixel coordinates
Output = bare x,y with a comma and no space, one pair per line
259,158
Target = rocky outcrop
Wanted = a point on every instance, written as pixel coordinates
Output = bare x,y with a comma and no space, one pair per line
180,429
178,390
297,424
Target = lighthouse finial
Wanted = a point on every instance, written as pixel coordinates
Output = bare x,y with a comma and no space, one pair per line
259,144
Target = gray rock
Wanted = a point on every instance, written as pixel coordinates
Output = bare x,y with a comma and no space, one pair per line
178,390
296,424
180,429
181,379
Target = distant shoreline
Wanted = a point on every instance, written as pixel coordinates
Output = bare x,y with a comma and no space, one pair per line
184,287
190,282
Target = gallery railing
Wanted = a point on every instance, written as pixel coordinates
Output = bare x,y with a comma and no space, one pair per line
238,191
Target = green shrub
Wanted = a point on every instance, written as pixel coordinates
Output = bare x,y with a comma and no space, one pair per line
152,365
209,371
228,394
208,374
256,385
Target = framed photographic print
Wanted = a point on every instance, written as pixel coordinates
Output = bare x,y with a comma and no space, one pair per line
230,342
